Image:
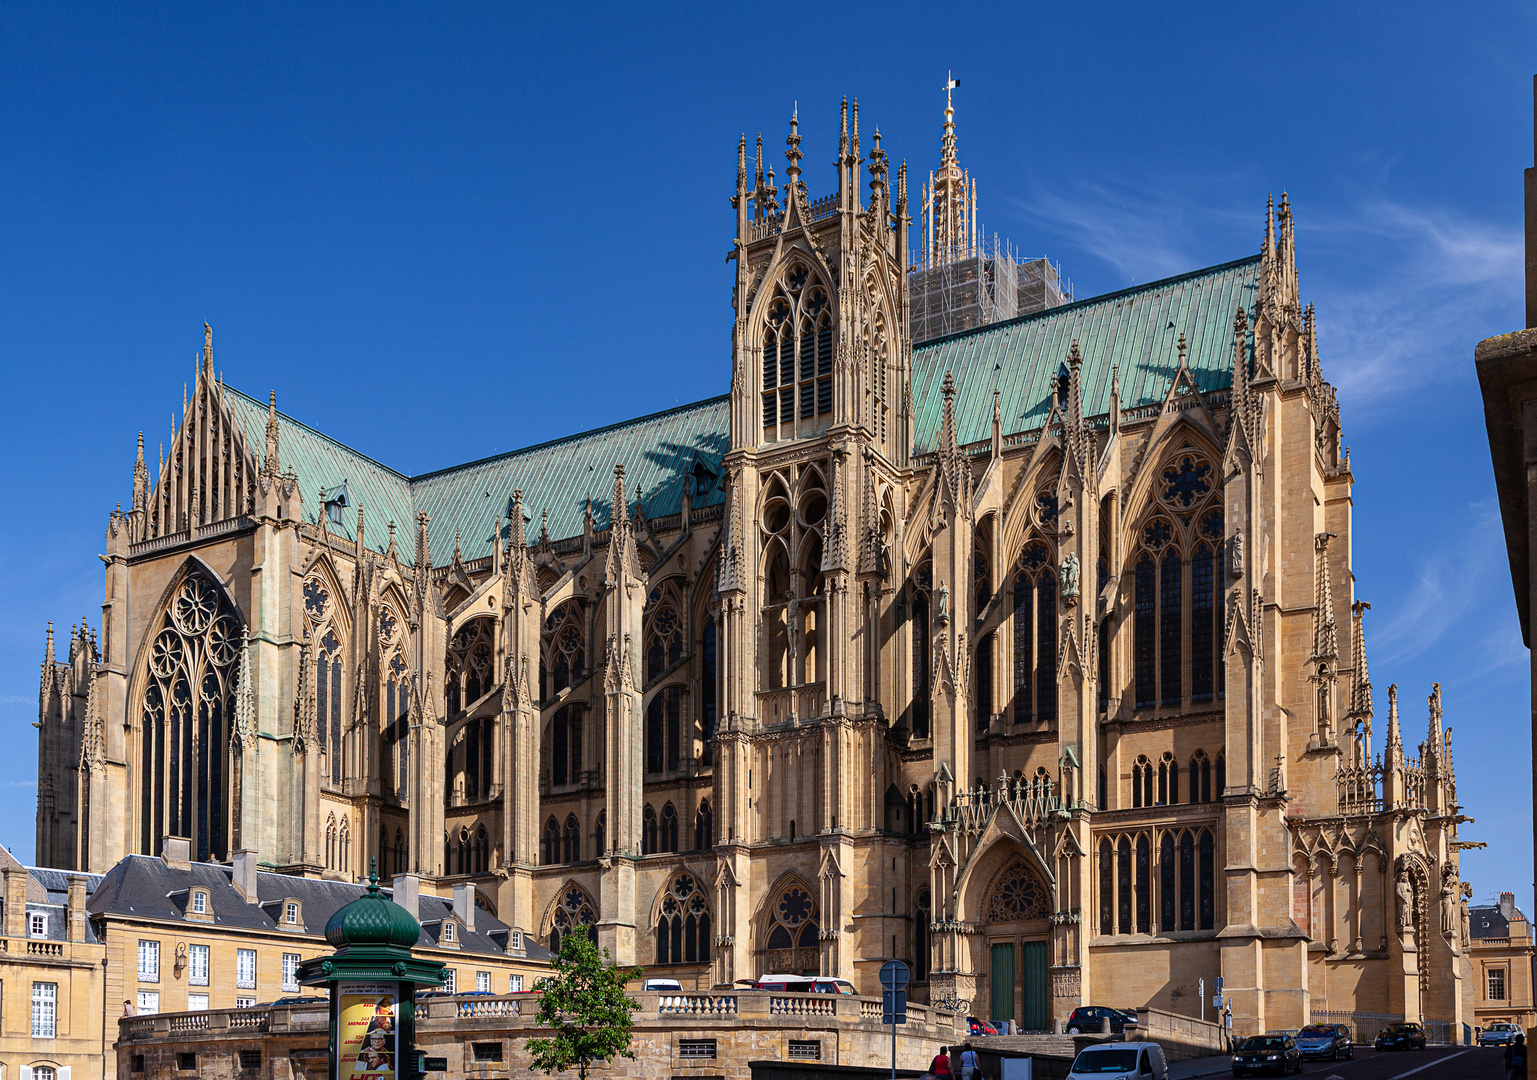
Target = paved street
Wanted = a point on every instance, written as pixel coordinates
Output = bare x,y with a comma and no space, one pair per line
1436,1063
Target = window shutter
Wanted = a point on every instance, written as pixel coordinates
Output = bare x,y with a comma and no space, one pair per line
63,1072
26,1072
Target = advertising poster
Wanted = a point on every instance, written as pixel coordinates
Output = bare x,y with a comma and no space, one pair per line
368,1031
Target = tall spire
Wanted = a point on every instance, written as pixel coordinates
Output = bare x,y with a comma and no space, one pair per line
1361,707
843,132
793,151
140,478
621,539
854,130
949,214
1436,744
741,165
1325,634
1394,745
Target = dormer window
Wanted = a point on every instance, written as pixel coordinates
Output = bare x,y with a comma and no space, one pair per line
517,941
37,925
291,913
335,501
448,931
199,902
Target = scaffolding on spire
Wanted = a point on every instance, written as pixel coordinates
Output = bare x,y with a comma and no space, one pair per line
960,276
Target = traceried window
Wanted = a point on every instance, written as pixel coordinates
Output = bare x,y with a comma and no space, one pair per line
658,832
319,614
664,724
186,715
683,923
1168,780
1035,635
791,946
797,356
1178,581
563,659
709,660
704,827
550,853
573,911
919,619
1187,880
1018,895
600,833
469,676
571,840
1200,777
1141,782
566,746
395,725
663,629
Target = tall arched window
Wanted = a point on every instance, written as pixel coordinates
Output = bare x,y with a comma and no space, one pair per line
709,705
683,923
922,661
663,620
1200,777
600,834
566,746
1123,884
468,676
1186,880
344,853
574,911
1035,635
1142,782
799,328
331,842
1144,885
1166,883
704,826
1106,887
1178,584
1219,779
1168,780
791,946
664,723
984,681
563,649
648,831
1208,880
573,840
189,690
396,725
400,852
550,855
922,916
667,832
319,613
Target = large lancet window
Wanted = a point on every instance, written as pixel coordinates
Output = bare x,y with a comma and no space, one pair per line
1178,582
566,746
922,631
396,726
319,615
797,356
683,923
186,713
574,911
791,945
563,649
1035,635
469,675
664,724
704,827
709,660
1183,881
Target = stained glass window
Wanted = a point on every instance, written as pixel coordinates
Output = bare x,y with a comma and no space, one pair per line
1018,895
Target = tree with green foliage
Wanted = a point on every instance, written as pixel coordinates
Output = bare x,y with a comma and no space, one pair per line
584,1003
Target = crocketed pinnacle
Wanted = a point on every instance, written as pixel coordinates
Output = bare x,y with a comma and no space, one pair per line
1326,645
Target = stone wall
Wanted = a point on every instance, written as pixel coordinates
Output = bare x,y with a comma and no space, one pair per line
688,1035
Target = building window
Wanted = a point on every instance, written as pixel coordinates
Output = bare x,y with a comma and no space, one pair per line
919,622
37,925
683,923
148,1003
197,965
566,749
1168,780
396,750
1035,635
797,355
514,984
245,1003
704,827
709,661
45,1001
450,983
291,973
43,1072
149,961
199,902
250,1060
1496,984
551,845
483,982
1142,782
291,914
571,842
448,931
563,662
328,701
1200,778
664,723
197,1002
575,911
245,969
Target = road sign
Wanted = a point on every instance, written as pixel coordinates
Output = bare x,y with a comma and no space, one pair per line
894,1006
894,975
430,1064
1218,984
1216,1001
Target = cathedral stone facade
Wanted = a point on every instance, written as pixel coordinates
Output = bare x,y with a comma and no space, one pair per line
1028,655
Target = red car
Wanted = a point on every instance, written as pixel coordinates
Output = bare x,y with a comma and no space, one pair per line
979,1027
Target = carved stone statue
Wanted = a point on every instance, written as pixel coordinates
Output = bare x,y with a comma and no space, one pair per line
942,602
1449,918
1467,934
1070,577
1405,893
1235,555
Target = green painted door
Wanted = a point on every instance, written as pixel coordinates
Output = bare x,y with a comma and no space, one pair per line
1003,983
1037,1005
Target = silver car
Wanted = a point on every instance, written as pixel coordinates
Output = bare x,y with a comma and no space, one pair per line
1120,1061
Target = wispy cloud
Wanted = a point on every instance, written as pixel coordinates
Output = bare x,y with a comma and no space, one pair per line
1402,291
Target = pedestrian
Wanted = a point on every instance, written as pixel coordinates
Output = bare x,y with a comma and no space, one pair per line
971,1065
127,1008
1515,1058
940,1066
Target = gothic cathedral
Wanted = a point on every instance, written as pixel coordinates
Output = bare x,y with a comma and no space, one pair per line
1027,653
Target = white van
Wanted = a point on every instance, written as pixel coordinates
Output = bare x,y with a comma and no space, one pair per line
1142,1060
805,984
666,986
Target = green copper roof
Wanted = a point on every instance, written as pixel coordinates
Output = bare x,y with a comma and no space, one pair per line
372,919
1136,330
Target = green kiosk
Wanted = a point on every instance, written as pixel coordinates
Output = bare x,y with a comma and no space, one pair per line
373,980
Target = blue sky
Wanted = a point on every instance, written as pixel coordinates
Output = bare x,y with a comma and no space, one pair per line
442,233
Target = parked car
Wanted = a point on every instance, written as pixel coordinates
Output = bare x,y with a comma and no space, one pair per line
1140,1059
302,999
1087,1019
1498,1034
975,1026
1401,1037
1267,1053
804,984
666,986
1330,1041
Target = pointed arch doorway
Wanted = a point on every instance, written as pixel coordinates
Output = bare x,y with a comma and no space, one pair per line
1017,926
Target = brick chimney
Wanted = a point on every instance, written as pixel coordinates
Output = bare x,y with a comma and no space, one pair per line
1508,905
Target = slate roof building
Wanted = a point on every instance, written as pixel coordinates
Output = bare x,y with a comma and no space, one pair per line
1028,654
